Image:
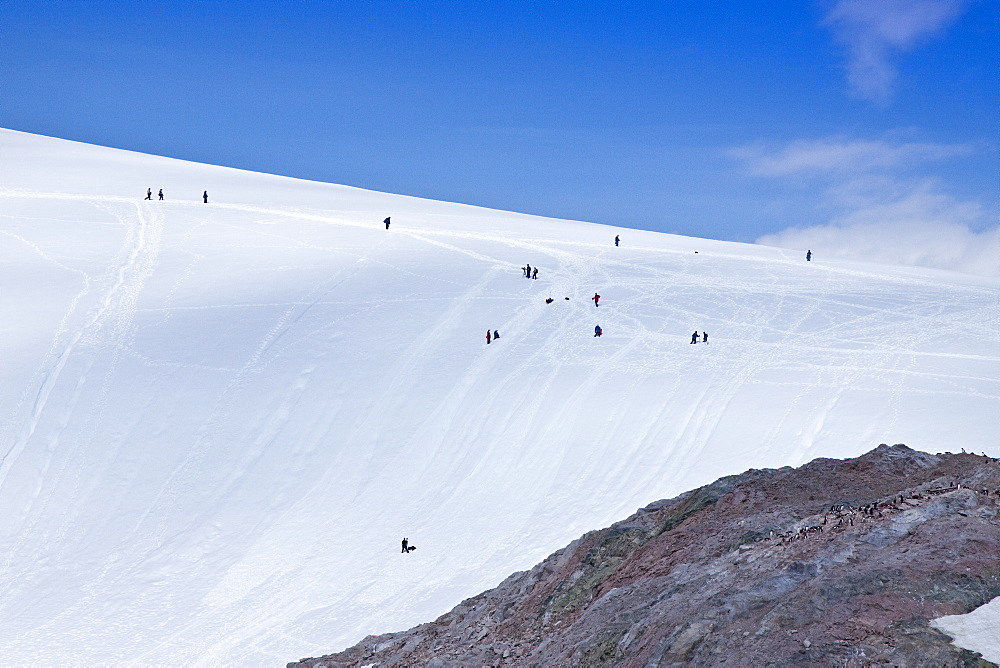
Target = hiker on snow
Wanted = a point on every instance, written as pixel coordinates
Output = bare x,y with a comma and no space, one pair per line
405,542
694,338
161,193
206,197
598,331
704,337
809,256
534,273
527,271
596,299
149,194
496,334
488,335
616,240
386,221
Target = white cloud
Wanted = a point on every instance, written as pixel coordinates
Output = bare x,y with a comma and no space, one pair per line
875,31
874,213
839,155
922,228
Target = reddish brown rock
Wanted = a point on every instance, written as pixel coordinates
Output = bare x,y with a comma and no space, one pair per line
834,563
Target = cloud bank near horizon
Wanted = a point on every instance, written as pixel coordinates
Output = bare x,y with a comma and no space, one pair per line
923,228
875,32
876,213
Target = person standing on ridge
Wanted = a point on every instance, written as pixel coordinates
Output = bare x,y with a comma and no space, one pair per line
206,197
616,240
809,256
596,299
598,331
161,193
149,194
488,334
386,221
694,337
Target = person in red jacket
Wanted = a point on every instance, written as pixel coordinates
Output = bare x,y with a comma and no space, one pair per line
596,299
488,335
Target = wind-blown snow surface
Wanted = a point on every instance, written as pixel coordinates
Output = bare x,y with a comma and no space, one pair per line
218,420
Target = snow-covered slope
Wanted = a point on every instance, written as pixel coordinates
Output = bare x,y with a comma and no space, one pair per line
217,421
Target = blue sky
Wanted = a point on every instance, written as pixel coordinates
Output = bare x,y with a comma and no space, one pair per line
722,119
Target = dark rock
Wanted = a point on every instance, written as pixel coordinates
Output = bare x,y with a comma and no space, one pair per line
740,573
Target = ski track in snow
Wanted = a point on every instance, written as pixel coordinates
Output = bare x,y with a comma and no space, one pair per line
242,407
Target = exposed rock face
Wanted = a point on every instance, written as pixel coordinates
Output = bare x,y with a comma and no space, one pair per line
834,563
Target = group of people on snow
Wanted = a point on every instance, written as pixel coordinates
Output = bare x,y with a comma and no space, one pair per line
704,337
204,196
529,272
495,335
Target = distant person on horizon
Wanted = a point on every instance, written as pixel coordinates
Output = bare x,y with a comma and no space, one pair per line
616,240
809,256
206,197
149,194
161,193
694,337
598,331
386,221
596,298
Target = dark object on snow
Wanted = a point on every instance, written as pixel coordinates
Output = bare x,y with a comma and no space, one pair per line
809,256
704,337
496,334
598,331
161,193
527,271
616,240
149,193
386,221
411,548
206,197
488,335
596,299
694,338
549,300
405,542
566,298
535,273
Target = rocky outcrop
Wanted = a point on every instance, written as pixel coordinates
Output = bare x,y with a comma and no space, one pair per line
838,562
